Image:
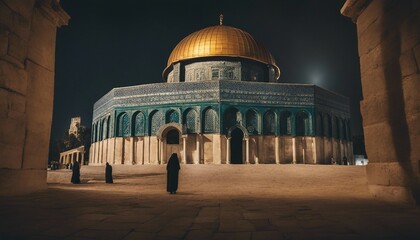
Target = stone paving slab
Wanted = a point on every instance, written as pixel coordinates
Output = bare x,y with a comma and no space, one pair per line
213,202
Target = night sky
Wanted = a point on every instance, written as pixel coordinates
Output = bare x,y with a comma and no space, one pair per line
110,44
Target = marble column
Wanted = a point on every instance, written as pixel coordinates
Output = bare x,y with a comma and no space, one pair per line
228,150
131,150
197,161
157,150
184,149
277,149
314,155
247,150
294,149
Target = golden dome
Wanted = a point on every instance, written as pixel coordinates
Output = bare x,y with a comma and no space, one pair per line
221,41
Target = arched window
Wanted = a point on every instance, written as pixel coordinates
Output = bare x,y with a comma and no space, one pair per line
94,133
100,130
336,129
138,124
343,129
319,125
286,123
123,126
231,117
156,120
172,137
269,123
252,121
302,124
191,121
349,137
211,121
172,116
327,126
108,127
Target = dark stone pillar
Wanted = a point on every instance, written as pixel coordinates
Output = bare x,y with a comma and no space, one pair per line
389,51
27,57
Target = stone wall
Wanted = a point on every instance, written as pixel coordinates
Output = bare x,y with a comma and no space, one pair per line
212,149
27,57
389,50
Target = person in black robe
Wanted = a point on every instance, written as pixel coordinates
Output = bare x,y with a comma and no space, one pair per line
75,177
108,174
172,169
345,162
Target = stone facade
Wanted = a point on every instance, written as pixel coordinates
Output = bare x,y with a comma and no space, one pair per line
27,53
389,50
279,123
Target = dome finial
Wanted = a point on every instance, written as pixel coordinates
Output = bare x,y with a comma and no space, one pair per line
221,19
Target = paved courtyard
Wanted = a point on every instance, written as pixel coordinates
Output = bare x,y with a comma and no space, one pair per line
213,202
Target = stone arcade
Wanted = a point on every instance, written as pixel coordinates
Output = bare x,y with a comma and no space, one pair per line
220,104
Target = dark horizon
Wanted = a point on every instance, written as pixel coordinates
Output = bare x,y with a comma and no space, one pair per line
109,44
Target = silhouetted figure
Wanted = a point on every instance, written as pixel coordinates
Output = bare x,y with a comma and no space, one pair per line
345,160
108,174
172,176
75,177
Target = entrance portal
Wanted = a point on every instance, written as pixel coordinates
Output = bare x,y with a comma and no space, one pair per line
236,146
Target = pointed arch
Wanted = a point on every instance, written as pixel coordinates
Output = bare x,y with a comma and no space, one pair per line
172,116
156,120
348,131
302,124
285,123
108,127
94,132
123,125
270,123
191,121
231,117
173,136
319,125
252,121
138,124
336,127
211,121
327,126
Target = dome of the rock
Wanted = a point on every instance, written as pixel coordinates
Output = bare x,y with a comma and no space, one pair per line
221,41
220,103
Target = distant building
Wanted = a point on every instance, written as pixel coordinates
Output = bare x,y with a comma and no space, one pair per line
74,126
221,104
360,160
77,153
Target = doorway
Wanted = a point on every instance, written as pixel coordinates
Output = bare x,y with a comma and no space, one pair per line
236,146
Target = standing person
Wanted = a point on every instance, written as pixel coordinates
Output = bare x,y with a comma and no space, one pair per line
108,174
172,169
345,162
75,177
